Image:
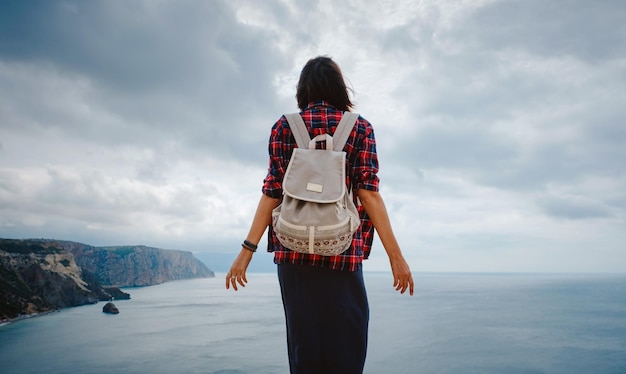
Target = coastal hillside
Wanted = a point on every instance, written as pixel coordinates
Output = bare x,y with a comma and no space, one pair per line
42,275
39,277
132,266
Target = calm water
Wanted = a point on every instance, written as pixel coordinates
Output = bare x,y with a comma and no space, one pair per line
456,323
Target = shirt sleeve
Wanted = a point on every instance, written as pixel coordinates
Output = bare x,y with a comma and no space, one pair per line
273,182
365,167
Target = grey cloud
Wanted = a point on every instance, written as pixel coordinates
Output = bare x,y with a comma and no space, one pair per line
493,157
136,46
551,163
160,71
617,203
399,39
591,31
573,207
445,145
463,97
93,197
606,117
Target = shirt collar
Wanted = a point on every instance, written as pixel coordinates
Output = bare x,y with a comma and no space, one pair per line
318,103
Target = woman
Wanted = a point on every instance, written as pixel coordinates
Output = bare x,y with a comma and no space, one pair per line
324,298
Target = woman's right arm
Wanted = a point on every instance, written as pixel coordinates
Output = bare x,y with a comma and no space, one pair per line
272,186
262,219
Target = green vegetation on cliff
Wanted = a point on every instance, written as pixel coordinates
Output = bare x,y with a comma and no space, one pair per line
26,246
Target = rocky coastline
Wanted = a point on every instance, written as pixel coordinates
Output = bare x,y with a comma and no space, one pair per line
40,276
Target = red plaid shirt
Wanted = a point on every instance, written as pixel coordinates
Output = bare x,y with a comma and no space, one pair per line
361,169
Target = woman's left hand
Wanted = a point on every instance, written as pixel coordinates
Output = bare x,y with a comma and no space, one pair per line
402,278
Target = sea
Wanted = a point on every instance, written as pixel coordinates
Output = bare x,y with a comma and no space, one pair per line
455,323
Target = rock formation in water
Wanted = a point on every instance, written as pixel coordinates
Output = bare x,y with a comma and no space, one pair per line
110,308
41,275
116,293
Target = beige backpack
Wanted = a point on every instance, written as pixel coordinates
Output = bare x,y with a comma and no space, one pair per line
317,214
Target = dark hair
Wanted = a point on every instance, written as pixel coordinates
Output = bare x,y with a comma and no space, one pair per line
321,79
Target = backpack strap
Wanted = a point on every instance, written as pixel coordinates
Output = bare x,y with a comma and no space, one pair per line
299,130
343,130
340,137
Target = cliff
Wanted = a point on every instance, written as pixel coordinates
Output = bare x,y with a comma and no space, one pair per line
40,275
130,266
38,278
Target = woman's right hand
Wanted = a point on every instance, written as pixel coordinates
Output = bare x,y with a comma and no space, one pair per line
237,273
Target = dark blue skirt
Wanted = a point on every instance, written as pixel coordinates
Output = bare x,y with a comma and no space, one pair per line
327,317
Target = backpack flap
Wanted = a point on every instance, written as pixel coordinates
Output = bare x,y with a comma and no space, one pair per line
306,180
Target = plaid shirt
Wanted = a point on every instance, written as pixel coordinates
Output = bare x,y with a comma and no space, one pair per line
361,169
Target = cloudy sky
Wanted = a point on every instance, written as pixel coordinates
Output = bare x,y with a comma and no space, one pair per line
501,124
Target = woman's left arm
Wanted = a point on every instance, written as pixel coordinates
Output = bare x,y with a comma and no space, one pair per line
374,205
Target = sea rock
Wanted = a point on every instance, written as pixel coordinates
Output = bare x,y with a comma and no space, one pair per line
110,308
116,293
